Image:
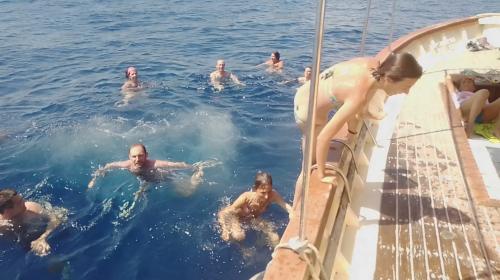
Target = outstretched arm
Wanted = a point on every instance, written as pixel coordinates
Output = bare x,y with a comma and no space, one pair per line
40,245
235,80
172,165
262,64
109,166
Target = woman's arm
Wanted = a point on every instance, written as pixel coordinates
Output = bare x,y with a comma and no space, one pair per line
450,84
347,111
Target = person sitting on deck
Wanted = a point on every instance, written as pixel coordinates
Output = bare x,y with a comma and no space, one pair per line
26,221
348,87
149,170
220,76
474,104
248,208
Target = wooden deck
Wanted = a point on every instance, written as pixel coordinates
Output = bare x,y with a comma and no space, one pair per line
436,222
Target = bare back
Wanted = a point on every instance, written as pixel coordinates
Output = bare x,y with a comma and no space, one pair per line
349,80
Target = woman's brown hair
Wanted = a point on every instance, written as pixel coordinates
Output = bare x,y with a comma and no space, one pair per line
398,67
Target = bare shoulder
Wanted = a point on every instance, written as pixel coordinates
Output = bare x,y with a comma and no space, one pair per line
357,65
242,200
246,195
33,207
127,84
275,194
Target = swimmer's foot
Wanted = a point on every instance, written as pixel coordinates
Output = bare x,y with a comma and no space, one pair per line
273,240
140,193
197,177
225,235
248,253
328,180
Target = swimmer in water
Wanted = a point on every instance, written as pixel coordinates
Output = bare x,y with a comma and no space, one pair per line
274,64
249,207
220,76
26,220
131,87
148,170
307,75
132,82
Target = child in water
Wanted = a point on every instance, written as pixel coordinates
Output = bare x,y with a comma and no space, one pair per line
248,208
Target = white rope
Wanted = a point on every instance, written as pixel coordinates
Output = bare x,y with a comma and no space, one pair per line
304,248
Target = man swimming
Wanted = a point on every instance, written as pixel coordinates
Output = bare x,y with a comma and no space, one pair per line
26,220
148,170
275,63
221,76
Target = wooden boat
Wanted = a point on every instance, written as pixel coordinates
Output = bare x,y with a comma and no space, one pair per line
411,202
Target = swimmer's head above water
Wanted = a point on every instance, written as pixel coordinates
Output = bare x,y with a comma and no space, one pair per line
11,204
307,73
275,57
263,185
131,73
138,155
220,66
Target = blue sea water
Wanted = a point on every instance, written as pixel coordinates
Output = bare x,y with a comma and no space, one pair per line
61,67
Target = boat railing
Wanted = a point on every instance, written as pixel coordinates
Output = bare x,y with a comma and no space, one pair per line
331,214
330,217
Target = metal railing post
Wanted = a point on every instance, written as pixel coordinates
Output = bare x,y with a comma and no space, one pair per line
308,147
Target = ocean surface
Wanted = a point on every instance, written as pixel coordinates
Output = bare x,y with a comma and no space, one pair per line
62,115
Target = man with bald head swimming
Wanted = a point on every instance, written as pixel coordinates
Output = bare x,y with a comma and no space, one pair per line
148,170
220,76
